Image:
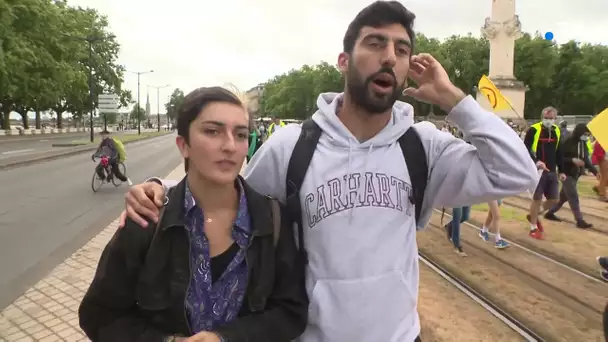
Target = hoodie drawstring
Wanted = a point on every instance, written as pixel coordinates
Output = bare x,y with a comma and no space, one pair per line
348,168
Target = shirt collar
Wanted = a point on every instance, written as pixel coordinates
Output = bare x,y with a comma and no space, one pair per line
242,220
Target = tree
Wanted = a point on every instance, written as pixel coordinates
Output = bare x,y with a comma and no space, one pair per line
572,76
134,112
294,95
111,118
44,59
175,103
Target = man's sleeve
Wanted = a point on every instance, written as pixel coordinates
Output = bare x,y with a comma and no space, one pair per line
495,165
166,183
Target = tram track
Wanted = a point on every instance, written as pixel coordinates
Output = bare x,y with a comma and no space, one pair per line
516,325
530,249
524,314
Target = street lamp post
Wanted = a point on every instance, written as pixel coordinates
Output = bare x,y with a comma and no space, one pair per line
158,105
139,73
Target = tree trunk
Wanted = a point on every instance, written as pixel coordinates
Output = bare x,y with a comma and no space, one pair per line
58,111
38,125
59,120
6,121
24,119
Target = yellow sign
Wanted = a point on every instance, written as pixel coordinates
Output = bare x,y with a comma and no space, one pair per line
599,128
494,96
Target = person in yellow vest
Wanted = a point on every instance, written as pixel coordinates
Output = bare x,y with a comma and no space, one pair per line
543,141
276,124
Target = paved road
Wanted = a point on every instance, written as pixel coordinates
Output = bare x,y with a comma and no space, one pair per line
48,210
18,147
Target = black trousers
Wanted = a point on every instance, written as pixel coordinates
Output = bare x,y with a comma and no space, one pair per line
114,169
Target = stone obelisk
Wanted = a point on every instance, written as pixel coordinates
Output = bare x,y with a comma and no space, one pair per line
501,29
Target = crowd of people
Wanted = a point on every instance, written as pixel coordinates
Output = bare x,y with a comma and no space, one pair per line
561,157
216,257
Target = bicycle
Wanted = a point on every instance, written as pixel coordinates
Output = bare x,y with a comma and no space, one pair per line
97,182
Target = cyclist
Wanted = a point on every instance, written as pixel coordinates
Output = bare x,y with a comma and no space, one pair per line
110,148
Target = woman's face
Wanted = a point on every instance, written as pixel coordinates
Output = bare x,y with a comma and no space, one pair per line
218,142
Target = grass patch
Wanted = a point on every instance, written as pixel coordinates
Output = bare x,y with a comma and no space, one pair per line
122,137
506,213
586,188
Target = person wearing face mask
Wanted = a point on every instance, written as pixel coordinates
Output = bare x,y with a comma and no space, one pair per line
543,142
576,158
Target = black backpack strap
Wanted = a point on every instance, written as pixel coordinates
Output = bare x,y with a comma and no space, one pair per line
296,171
417,166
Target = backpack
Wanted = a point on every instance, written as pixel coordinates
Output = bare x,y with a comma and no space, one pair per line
120,148
413,153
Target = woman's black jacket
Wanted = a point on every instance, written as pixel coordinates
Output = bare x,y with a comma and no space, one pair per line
139,289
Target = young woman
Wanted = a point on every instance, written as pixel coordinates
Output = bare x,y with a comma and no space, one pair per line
220,265
491,225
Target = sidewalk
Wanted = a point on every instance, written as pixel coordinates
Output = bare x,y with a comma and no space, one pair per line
49,310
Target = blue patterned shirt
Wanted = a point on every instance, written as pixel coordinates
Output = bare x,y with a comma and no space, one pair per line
210,304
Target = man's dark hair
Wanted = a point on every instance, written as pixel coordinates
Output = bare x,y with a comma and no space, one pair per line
195,102
379,14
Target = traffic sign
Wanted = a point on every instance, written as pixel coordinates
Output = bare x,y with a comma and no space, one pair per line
108,103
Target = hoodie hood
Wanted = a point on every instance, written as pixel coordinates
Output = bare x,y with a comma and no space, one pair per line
326,117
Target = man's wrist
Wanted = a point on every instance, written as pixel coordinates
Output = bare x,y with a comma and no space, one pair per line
450,98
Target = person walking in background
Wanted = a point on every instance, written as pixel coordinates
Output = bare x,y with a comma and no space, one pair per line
543,142
459,216
576,159
600,158
276,124
491,224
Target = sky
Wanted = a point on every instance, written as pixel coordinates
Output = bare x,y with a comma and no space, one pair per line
190,43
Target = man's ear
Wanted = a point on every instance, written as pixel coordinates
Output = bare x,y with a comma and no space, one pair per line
343,60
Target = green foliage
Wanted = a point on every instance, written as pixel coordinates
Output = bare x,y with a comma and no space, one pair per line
572,77
44,59
175,102
134,112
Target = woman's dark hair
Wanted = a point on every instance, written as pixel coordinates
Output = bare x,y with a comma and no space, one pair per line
195,102
379,14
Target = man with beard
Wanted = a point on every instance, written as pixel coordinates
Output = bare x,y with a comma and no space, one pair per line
355,195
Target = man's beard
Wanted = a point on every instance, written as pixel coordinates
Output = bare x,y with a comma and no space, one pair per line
363,96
